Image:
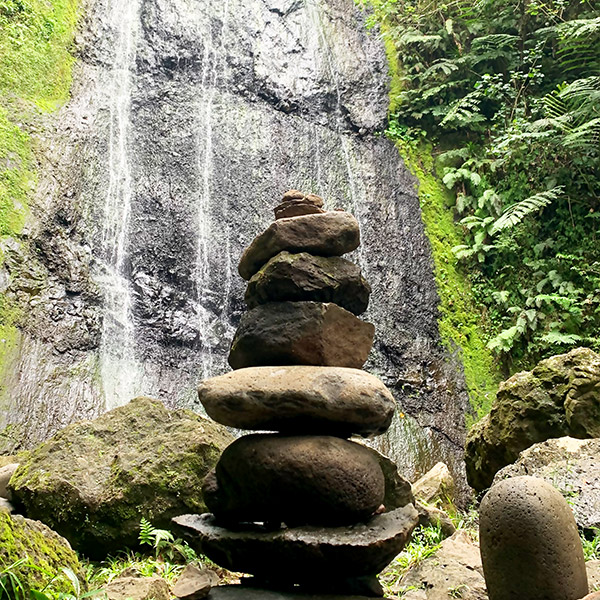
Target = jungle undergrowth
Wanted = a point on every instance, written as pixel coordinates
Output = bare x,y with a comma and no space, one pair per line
506,97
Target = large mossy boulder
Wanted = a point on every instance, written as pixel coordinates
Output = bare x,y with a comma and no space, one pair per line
94,480
35,554
559,397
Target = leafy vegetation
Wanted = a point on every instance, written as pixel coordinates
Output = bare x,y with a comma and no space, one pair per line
425,542
169,558
591,545
508,94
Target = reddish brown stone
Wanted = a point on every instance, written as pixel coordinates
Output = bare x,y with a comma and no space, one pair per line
301,333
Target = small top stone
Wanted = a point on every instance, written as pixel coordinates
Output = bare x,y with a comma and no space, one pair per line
297,195
296,203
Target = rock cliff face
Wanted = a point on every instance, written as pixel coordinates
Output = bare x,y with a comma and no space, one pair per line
187,123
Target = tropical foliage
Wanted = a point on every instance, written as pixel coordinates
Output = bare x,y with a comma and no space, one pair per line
508,92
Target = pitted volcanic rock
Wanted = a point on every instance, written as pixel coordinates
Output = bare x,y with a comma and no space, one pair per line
330,234
301,333
316,480
301,553
530,546
296,277
299,399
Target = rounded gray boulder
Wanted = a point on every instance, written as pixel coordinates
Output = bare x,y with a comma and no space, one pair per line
530,546
315,480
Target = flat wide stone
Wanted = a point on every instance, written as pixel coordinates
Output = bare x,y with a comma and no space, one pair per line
329,234
302,276
302,553
317,480
239,592
299,399
301,333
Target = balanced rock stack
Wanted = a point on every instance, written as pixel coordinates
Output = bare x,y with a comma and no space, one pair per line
303,506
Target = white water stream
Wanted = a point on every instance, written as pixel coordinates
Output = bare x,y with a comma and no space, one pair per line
356,199
213,63
120,372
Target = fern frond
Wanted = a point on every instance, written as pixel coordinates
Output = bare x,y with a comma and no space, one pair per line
146,535
517,212
464,111
443,66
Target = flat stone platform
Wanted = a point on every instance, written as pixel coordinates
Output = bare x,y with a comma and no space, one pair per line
240,592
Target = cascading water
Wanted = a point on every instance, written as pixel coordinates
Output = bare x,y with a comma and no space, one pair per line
197,118
212,64
120,374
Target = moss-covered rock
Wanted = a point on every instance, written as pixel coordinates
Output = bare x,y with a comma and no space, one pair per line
94,480
559,397
46,553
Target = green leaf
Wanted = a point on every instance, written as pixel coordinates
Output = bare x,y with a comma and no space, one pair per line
517,212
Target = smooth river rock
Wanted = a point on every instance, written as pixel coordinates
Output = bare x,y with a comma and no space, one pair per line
299,399
301,333
316,480
530,546
306,277
330,234
300,554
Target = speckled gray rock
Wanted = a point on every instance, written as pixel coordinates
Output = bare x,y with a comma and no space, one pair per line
300,554
194,583
316,480
572,467
137,588
299,399
303,276
593,574
530,547
329,234
301,333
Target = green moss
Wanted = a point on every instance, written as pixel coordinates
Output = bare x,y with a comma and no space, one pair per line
35,75
46,552
461,321
9,334
35,62
394,70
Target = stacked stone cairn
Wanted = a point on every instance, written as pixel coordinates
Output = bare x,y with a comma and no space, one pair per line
303,507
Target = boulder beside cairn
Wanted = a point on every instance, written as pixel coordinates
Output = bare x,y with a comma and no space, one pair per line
303,505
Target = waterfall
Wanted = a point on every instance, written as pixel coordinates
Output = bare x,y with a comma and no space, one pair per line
212,64
191,120
119,370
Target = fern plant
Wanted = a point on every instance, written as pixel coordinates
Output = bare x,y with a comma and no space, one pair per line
165,543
